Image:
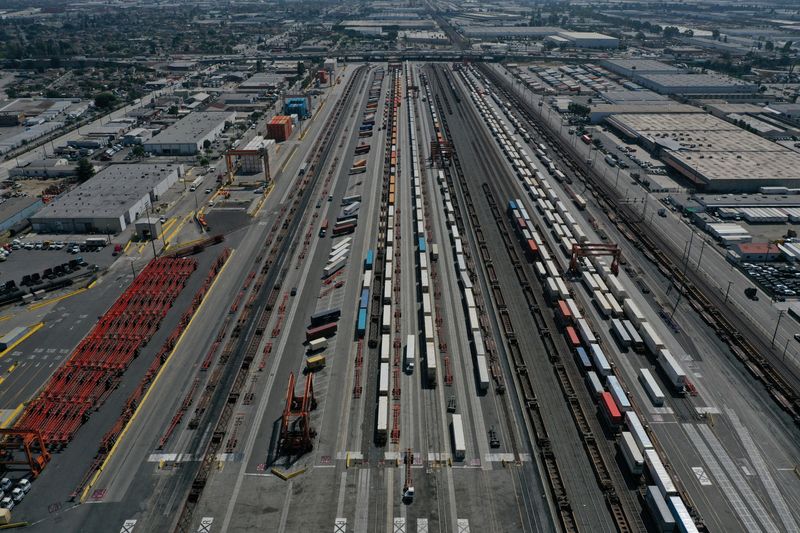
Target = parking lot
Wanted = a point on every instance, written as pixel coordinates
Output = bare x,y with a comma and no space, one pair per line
22,261
779,280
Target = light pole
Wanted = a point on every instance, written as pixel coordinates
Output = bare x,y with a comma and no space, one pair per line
728,290
775,333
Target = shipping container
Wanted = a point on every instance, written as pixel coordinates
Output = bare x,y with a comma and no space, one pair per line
586,332
616,288
383,380
651,338
633,313
636,428
683,518
602,305
387,292
594,384
630,452
426,304
651,387
659,510
659,474
573,307
430,364
572,337
609,411
459,443
600,360
325,330
672,369
386,348
368,260
315,362
361,326
619,394
382,425
386,325
636,340
620,333
482,371
317,344
583,358
367,279
325,315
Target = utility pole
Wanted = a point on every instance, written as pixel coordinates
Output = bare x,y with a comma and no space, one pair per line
728,290
780,315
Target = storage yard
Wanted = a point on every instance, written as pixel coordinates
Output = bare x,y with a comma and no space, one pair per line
436,317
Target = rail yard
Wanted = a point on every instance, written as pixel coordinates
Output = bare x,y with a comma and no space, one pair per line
441,318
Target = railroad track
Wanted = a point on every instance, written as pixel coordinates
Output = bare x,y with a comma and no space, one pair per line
623,505
704,300
561,500
232,368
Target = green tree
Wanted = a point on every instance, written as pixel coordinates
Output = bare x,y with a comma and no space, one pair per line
137,151
301,68
105,100
670,31
207,144
787,47
769,46
85,170
173,110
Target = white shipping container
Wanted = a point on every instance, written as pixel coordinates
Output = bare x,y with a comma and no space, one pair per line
616,288
573,308
387,292
633,313
651,387
636,428
673,370
659,473
367,279
383,380
619,394
585,331
423,281
383,415
469,298
386,348
602,304
428,322
482,369
651,338
426,304
630,451
682,515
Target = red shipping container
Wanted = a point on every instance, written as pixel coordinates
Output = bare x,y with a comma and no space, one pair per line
279,128
325,330
609,408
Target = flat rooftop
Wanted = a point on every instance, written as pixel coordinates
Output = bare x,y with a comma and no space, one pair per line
699,81
713,148
110,193
641,65
192,127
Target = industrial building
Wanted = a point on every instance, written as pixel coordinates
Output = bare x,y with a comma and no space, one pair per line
631,68
698,85
710,152
186,137
109,202
15,210
43,168
588,39
510,32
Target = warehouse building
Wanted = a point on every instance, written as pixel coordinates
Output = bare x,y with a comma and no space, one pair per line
715,155
110,201
15,210
509,32
698,85
186,137
630,68
588,39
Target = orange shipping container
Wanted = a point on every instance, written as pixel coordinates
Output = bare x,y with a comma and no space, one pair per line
391,198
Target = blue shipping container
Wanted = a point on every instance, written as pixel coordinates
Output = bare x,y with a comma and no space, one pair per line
362,322
422,244
364,299
583,357
512,205
368,261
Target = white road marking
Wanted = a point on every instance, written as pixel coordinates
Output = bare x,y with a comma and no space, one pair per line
127,526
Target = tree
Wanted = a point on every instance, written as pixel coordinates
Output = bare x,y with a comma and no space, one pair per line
301,68
173,110
137,151
769,46
206,144
259,65
787,47
670,31
84,170
105,100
